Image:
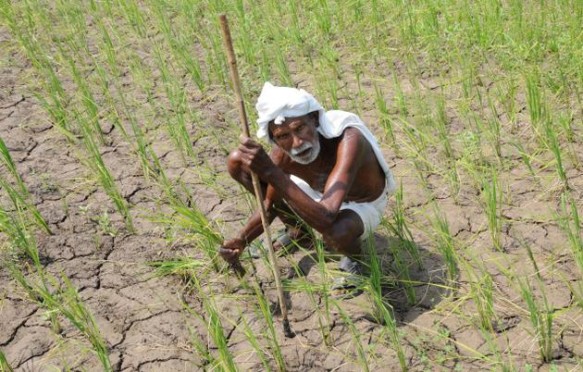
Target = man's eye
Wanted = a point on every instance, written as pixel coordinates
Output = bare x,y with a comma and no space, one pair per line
282,137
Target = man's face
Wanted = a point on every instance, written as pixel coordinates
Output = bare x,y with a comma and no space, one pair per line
298,137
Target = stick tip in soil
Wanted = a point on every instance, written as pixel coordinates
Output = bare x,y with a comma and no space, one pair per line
287,331
238,269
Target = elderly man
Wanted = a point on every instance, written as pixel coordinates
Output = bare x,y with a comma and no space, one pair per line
326,170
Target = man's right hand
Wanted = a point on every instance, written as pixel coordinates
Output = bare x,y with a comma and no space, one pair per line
231,250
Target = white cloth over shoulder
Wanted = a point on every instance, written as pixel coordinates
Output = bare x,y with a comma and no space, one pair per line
278,103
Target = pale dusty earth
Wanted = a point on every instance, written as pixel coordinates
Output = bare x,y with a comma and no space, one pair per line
143,319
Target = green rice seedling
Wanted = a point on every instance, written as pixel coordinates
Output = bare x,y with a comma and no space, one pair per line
216,60
494,129
384,116
505,96
70,305
53,99
552,142
399,227
184,267
414,147
445,245
527,160
137,139
179,44
491,199
314,291
482,293
440,120
193,220
201,349
356,336
91,110
252,338
570,223
536,107
541,318
20,198
97,165
401,266
63,299
16,229
401,101
383,311
498,358
176,126
224,361
131,11
282,69
4,365
266,312
566,124
107,47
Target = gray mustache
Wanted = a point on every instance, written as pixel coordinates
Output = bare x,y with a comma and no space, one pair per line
301,149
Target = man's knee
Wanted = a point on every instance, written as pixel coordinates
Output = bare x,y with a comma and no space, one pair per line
344,235
234,164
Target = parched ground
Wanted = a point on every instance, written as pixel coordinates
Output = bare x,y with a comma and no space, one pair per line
153,323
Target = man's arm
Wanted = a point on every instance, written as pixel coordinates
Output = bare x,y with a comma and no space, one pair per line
232,249
320,215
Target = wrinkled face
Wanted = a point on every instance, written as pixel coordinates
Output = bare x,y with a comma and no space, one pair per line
298,137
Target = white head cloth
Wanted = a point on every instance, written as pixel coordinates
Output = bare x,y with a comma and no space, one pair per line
278,103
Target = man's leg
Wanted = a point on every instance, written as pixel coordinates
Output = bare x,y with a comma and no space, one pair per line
344,236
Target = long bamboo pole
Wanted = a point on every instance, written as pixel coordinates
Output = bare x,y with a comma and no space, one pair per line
255,179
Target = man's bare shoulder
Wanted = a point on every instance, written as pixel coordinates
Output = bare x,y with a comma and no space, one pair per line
353,138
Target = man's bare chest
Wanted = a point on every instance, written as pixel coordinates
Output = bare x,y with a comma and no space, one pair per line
316,176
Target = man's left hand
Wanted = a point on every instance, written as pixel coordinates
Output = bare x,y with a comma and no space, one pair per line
254,157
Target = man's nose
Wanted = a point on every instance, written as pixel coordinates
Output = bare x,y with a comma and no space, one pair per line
297,142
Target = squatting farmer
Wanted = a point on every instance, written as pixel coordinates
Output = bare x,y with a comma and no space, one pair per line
326,170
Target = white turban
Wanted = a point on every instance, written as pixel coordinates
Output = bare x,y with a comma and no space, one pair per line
278,103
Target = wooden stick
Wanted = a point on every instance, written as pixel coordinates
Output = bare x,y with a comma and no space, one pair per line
255,179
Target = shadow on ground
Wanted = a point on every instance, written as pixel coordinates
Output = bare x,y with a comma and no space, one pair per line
413,279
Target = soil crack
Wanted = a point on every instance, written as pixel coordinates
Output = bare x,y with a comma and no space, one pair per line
22,99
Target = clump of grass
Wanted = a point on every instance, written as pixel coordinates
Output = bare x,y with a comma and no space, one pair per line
192,220
482,291
19,196
540,311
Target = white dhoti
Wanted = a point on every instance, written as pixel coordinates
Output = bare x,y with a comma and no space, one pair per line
371,213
